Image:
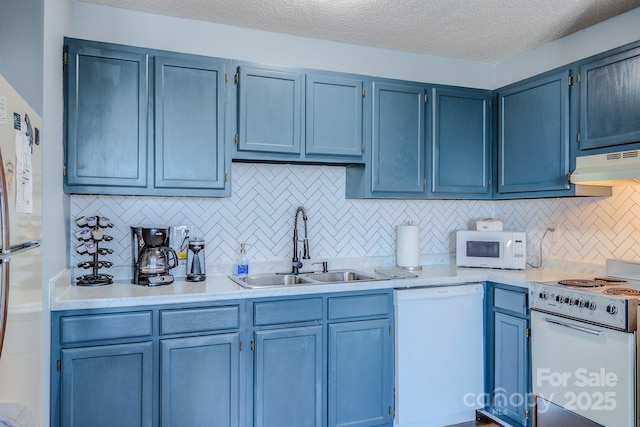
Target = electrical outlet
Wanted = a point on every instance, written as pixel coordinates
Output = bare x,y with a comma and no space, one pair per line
556,232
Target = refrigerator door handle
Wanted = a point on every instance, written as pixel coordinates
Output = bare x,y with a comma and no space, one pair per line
4,299
19,248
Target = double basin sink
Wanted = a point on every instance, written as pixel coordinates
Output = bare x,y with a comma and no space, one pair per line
273,280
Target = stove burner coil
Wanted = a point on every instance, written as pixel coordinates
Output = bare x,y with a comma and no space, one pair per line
598,282
622,291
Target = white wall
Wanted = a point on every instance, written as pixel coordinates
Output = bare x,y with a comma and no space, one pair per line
614,32
55,204
95,22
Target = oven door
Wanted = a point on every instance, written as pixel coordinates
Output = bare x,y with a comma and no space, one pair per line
588,370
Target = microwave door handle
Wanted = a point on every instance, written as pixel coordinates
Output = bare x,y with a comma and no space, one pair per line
575,327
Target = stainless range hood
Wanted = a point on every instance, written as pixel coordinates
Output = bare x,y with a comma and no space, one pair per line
620,168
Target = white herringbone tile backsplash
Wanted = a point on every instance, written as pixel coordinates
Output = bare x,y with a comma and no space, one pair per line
264,198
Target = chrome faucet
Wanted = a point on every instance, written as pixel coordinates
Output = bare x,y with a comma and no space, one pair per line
296,265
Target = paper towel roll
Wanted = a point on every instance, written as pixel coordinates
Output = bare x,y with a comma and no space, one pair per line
408,246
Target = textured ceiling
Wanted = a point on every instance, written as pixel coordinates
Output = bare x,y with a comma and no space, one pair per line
478,30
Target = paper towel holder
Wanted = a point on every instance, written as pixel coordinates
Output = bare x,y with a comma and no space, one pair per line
408,246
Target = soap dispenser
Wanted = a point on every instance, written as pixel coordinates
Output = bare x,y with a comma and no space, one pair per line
242,266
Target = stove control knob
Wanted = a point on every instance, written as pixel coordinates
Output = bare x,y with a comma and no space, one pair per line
612,309
572,301
581,303
591,305
544,295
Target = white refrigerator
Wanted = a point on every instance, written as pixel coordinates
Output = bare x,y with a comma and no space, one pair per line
21,358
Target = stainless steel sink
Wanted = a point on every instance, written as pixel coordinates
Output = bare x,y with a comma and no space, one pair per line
269,280
273,280
341,276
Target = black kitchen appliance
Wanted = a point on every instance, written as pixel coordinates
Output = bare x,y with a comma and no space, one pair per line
151,256
195,260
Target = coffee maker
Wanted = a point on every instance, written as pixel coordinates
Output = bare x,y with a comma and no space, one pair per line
195,260
151,256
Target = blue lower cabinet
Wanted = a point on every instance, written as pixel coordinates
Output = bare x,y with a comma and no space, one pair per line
109,385
199,381
510,376
360,368
288,389
508,369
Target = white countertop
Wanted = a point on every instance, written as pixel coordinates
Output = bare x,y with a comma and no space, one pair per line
219,287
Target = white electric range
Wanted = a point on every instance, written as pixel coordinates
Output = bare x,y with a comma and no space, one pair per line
584,344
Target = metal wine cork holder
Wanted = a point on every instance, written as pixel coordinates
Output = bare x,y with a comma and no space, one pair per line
90,235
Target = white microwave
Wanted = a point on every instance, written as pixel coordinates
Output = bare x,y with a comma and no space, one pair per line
491,249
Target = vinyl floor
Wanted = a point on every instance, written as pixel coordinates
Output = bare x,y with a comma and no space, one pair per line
481,421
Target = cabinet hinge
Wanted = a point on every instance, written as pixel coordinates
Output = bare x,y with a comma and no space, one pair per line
65,58
526,414
237,78
226,77
235,138
527,333
240,345
390,331
489,103
425,182
362,145
489,183
579,78
570,81
390,410
578,136
58,365
426,98
568,179
253,345
64,171
363,91
226,177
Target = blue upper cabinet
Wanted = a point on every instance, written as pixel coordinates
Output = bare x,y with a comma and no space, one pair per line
334,116
269,111
395,158
610,100
144,122
189,122
398,135
533,137
107,115
289,115
461,143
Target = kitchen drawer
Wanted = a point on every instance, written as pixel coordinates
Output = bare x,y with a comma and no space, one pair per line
510,300
359,306
77,329
287,311
199,319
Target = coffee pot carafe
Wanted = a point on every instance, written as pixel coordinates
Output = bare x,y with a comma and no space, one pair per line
195,260
152,258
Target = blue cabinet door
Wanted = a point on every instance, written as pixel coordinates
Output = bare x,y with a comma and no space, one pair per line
509,394
106,115
189,122
288,389
398,136
461,143
610,100
199,381
334,116
360,368
107,386
533,135
270,114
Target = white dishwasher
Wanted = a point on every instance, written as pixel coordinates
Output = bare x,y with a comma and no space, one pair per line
439,354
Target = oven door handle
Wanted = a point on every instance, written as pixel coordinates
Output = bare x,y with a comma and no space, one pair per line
576,327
